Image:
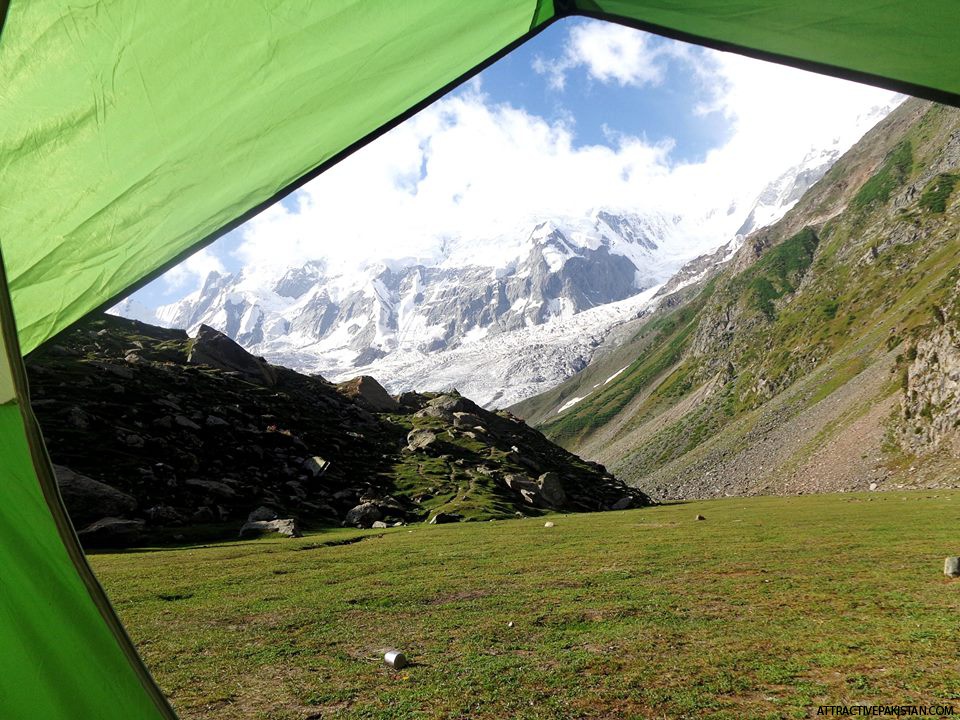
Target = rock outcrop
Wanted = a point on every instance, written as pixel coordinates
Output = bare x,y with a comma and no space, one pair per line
930,404
197,432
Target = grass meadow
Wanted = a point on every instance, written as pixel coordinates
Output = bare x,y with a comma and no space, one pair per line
767,608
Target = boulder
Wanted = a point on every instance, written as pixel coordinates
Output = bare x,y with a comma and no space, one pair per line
78,418
551,489
379,525
212,486
112,532
286,527
420,439
623,503
452,403
387,503
88,499
467,420
164,515
443,518
546,491
213,348
185,422
363,515
262,513
370,394
411,400
202,514
434,412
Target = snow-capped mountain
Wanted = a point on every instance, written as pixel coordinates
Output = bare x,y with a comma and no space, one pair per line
500,318
784,192
334,320
498,332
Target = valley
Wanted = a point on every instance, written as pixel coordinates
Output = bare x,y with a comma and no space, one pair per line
819,357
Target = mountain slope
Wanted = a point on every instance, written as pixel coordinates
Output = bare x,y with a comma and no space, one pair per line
786,371
170,432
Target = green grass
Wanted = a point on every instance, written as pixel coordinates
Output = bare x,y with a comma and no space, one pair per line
894,170
776,273
769,606
937,192
667,338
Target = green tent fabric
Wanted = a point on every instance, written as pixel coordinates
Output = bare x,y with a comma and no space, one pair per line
64,653
133,132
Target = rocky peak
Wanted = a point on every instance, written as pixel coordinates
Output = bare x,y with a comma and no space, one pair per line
367,392
211,347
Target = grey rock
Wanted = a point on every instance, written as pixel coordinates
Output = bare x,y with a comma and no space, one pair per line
452,404
551,489
112,532
120,371
468,420
185,422
367,392
548,524
623,503
287,527
379,525
434,412
363,515
262,513
546,491
420,439
214,421
699,517
215,349
78,418
443,518
411,400
88,499
135,441
212,486
203,514
164,515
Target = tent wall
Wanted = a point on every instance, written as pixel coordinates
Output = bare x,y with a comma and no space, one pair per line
63,652
910,46
133,132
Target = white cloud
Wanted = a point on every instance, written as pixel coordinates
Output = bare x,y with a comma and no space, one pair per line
469,169
488,168
192,270
610,53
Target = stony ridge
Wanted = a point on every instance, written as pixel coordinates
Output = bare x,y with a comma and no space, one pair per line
175,436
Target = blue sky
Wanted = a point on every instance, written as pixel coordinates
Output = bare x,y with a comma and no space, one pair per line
587,114
656,111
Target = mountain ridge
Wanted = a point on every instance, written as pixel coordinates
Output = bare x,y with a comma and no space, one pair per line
467,316
782,370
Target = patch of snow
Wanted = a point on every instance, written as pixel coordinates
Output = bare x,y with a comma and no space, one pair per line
570,403
615,374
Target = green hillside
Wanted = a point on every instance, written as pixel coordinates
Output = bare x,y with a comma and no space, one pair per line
785,370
